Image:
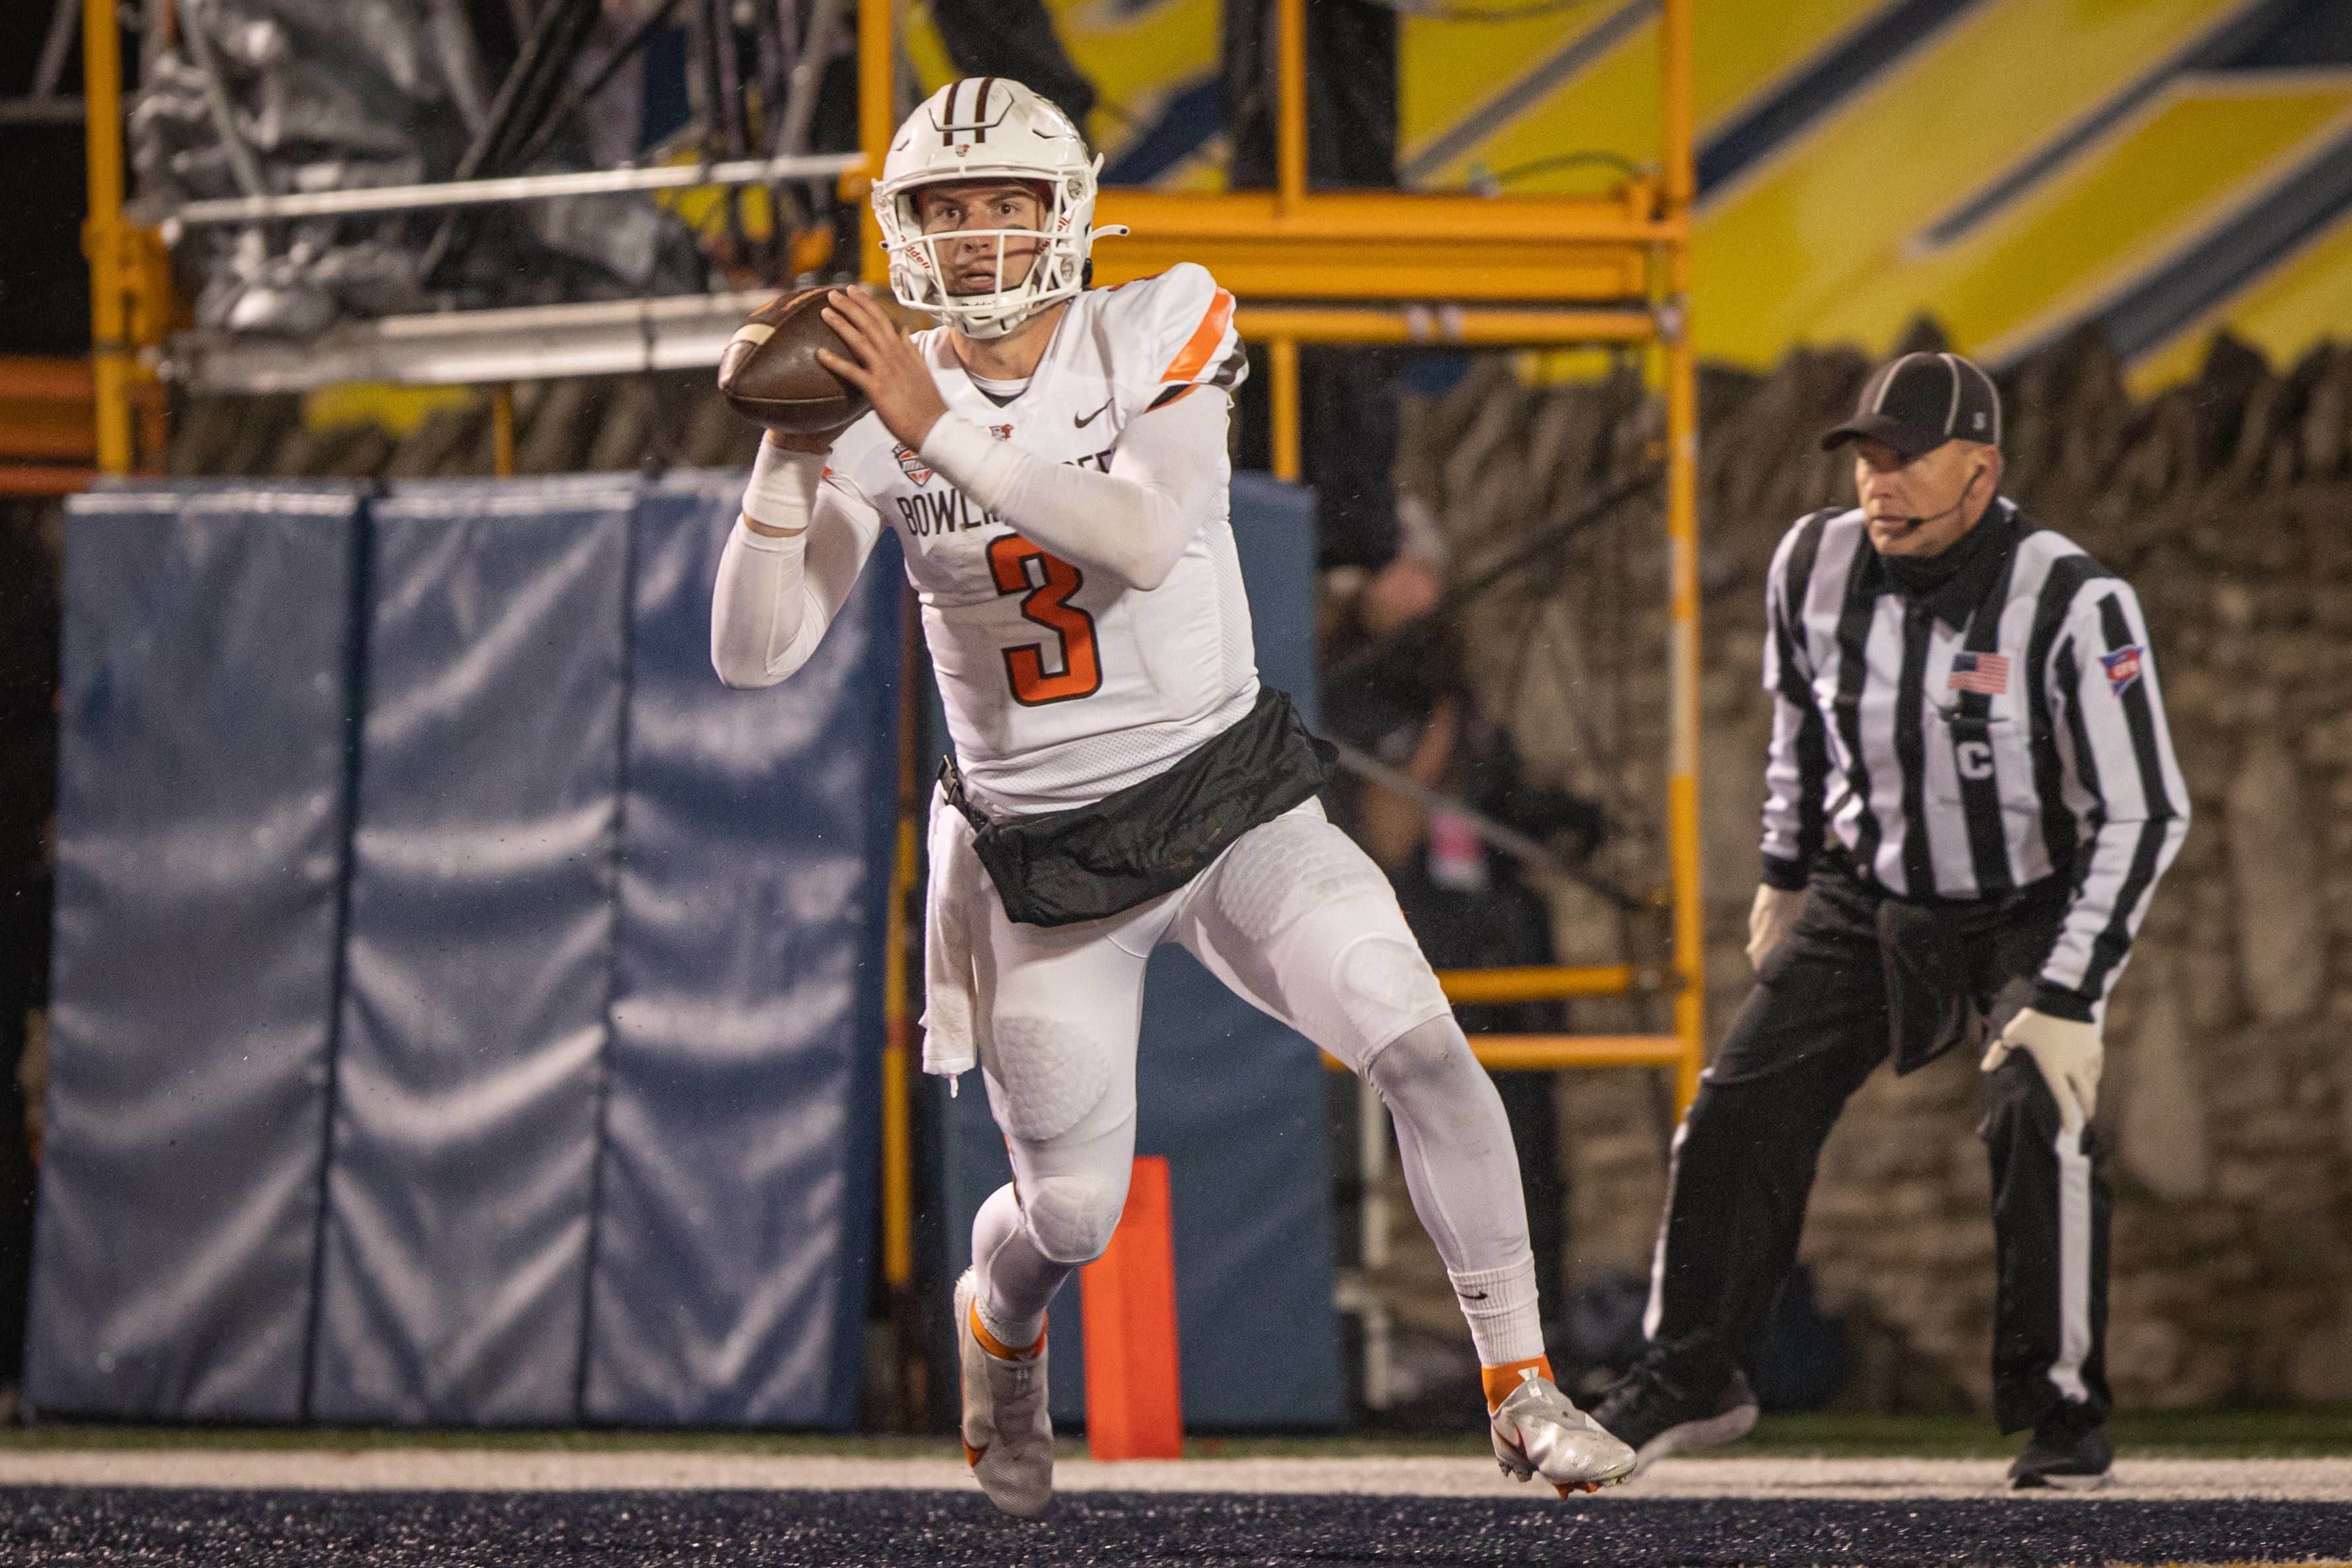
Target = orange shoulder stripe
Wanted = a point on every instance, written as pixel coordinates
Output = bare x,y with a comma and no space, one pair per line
1203,342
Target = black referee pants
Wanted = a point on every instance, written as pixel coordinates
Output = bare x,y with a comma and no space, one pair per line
1815,1027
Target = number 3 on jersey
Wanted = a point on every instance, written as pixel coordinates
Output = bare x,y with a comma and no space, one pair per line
1020,567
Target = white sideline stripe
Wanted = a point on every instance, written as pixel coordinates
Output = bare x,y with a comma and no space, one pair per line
2074,1266
450,1470
1653,1312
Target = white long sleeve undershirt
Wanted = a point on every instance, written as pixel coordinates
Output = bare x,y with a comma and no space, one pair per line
1132,521
776,596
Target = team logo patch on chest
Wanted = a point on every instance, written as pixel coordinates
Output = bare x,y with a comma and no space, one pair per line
910,463
2122,667
1002,432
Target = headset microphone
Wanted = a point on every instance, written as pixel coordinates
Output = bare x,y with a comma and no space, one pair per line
1958,502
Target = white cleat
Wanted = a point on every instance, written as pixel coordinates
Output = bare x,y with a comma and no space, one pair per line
1008,1433
1537,1432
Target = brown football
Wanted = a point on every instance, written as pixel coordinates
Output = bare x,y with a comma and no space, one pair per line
769,372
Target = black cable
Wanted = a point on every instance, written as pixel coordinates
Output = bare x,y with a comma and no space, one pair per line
767,35
726,53
1441,11
1495,179
521,104
731,120
577,98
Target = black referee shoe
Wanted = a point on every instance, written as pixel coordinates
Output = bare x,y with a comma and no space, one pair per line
1655,1413
2065,1453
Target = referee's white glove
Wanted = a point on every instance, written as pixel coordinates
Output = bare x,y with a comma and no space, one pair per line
1770,918
2068,1054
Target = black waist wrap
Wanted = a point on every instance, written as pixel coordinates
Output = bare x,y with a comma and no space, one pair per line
1061,867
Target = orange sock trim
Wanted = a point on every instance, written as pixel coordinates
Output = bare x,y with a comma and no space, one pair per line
997,1347
1502,1381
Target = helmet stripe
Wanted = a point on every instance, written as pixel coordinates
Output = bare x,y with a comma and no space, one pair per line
980,110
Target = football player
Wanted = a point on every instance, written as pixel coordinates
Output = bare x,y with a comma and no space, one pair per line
1054,458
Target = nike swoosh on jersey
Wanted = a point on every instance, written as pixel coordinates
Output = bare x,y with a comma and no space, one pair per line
1090,419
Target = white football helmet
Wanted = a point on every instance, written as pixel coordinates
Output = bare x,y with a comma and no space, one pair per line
988,128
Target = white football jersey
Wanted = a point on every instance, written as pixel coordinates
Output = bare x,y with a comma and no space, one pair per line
1060,686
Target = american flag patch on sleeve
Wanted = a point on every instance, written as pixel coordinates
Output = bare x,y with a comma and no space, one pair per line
1986,673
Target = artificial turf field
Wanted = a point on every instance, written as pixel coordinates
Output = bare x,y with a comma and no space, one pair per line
75,1525
605,1497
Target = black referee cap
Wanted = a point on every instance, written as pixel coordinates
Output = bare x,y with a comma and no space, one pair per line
1919,403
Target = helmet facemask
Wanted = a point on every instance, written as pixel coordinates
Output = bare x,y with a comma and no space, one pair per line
921,264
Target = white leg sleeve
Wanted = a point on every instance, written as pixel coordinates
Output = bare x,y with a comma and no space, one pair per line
1454,1144
1300,921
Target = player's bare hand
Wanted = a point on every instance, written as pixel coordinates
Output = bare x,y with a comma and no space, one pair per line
887,369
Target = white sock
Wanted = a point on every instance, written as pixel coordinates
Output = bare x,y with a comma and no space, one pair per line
1500,1303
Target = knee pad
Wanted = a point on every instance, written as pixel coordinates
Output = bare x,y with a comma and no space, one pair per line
1070,1219
1043,1074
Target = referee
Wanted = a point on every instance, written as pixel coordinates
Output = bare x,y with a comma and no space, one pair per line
1972,793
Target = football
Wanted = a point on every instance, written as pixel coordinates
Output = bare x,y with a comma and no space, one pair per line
770,374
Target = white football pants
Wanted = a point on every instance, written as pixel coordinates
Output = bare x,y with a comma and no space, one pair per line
1300,923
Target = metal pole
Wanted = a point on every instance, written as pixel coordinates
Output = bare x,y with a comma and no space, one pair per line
1282,392
502,431
241,162
506,188
898,1135
878,57
59,39
1372,1239
897,1139
1290,104
1680,169
1682,532
898,1047
808,75
103,241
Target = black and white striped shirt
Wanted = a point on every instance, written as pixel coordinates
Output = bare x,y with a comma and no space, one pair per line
1960,744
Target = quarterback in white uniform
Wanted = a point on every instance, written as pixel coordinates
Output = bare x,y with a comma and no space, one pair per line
1054,458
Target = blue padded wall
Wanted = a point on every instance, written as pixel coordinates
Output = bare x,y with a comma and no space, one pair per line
569,1004
200,807
736,1194
479,956
1235,1102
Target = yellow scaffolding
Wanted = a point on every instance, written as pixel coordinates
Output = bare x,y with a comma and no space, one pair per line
105,239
